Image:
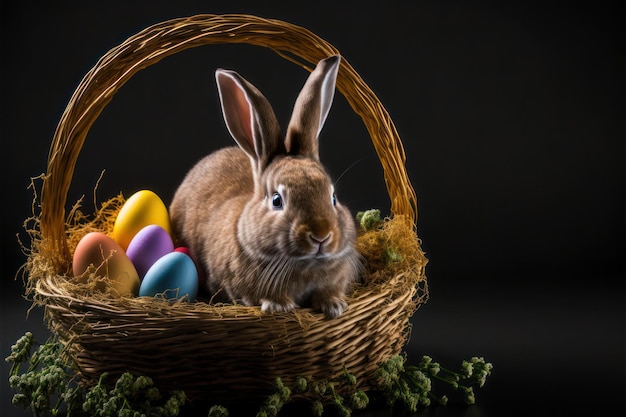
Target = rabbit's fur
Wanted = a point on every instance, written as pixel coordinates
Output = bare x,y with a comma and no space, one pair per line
261,220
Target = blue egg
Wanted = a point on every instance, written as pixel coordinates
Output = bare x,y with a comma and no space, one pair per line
174,275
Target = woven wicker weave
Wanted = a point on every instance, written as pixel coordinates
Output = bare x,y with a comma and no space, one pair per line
220,351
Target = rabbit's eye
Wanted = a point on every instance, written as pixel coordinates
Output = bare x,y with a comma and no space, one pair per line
334,200
277,201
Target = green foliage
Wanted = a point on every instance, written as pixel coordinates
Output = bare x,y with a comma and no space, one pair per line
45,381
131,397
45,384
274,402
368,219
413,386
218,411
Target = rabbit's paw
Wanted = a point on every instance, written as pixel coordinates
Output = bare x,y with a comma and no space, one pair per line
333,307
270,306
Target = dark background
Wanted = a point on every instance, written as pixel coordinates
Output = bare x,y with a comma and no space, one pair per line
512,116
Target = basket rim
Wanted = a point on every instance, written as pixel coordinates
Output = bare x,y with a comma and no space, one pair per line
291,42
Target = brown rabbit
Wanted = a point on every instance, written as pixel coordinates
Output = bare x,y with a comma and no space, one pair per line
262,219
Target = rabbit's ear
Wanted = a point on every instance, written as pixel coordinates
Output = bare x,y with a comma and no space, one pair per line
311,108
249,117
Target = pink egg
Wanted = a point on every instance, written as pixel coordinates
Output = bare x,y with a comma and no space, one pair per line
183,250
99,254
186,251
147,246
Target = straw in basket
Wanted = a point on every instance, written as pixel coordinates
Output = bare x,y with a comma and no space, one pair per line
223,351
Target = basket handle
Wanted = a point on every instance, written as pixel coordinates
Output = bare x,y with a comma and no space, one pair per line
156,42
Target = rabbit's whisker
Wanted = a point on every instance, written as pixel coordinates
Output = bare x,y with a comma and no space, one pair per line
348,169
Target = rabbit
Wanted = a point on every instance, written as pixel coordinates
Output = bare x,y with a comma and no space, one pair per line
261,219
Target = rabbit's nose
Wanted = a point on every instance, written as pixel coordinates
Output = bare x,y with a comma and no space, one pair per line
321,240
321,244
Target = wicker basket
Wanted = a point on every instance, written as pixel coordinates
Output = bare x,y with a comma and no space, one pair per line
219,351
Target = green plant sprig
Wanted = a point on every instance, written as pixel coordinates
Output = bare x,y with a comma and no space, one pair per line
412,385
321,394
131,397
327,394
46,382
45,379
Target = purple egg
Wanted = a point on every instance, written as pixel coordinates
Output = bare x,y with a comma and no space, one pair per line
147,246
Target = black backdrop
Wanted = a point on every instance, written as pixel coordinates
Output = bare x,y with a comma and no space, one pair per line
512,116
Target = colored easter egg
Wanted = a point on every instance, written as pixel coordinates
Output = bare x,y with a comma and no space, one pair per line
173,275
142,209
147,246
187,252
100,254
184,250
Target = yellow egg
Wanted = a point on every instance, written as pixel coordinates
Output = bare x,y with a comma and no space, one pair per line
98,253
142,209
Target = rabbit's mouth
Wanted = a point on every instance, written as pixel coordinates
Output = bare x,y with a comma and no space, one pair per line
320,251
321,255
313,257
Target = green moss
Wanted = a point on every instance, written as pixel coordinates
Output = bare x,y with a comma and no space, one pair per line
368,219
